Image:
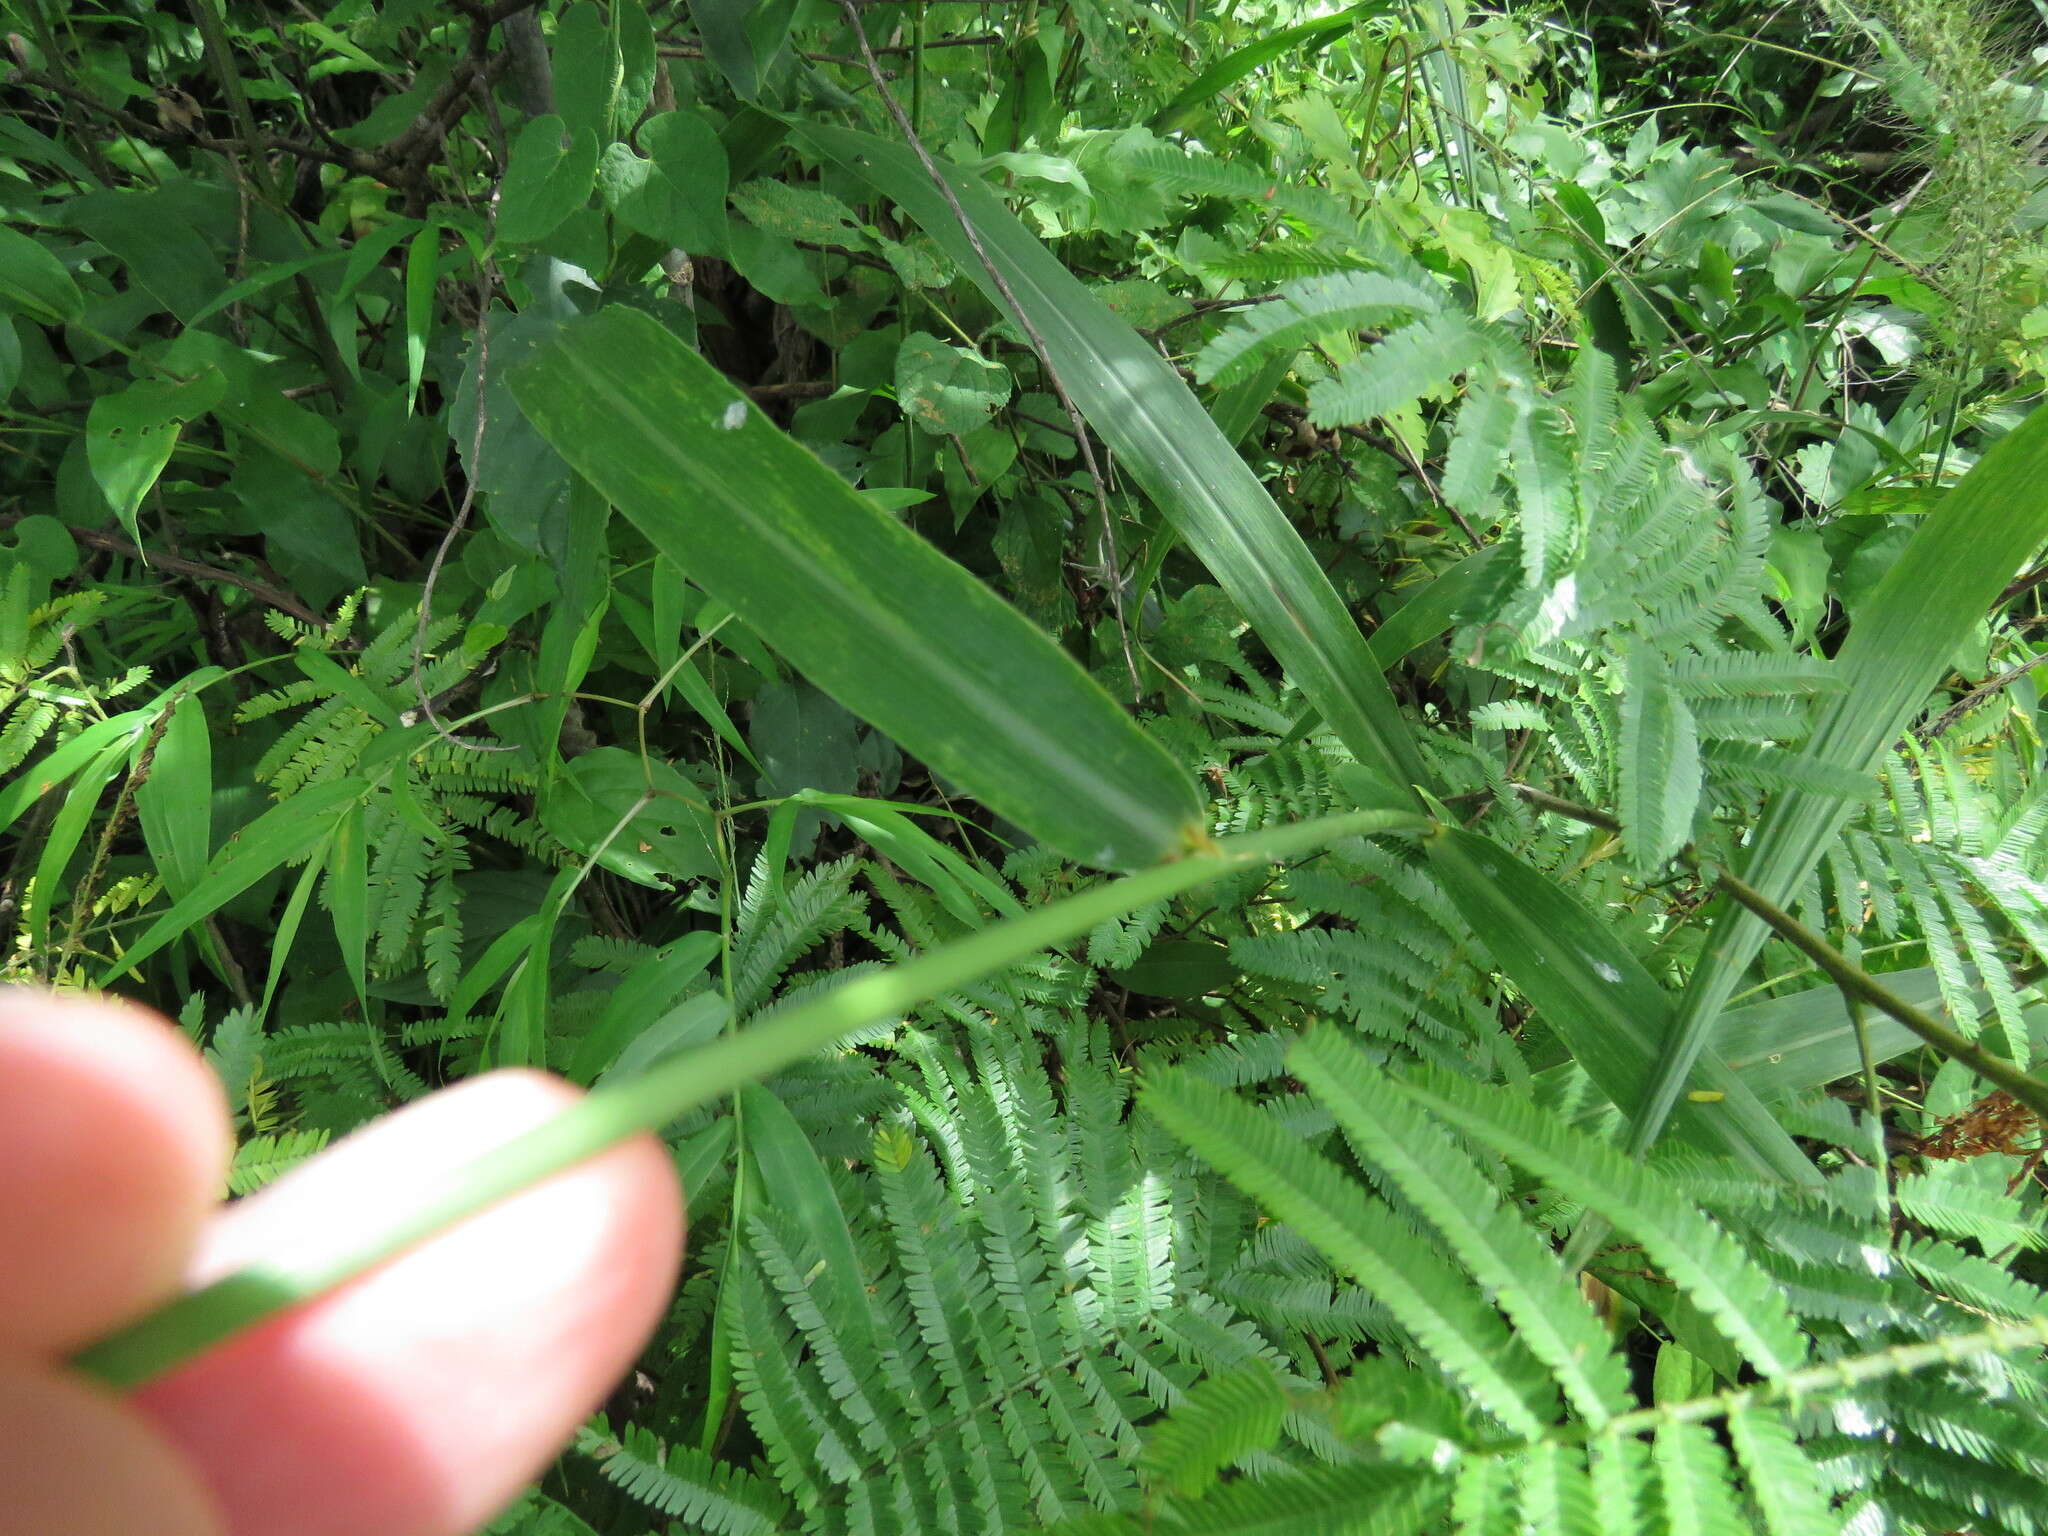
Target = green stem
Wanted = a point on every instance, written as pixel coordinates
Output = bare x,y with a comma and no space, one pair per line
180,1329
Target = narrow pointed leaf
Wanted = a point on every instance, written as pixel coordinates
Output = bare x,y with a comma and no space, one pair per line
1160,434
1939,589
1597,996
865,608
281,834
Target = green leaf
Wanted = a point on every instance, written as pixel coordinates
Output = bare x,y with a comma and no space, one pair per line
587,71
1597,996
742,37
282,833
33,282
175,802
643,998
546,180
60,765
1362,1237
677,193
422,278
866,609
1305,312
1939,589
1781,1481
1659,767
348,899
667,833
1158,431
945,389
129,436
1746,1305
1180,968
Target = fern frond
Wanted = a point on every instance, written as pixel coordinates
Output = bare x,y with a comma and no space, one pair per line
1512,1264
1430,1299
1308,311
1702,1260
685,1484
1417,360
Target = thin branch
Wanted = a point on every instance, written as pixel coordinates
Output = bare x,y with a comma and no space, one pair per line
1978,695
263,592
979,40
1855,983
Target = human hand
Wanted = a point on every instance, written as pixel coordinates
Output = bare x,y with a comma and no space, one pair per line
414,1401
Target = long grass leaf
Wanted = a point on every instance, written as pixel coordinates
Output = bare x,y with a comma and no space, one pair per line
1160,434
1597,996
196,1321
1939,589
865,608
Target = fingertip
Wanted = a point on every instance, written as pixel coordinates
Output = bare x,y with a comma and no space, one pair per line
81,1462
418,1399
114,1142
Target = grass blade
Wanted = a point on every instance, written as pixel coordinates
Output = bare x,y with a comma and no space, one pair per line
865,608
1941,586
1159,432
182,1328
1597,996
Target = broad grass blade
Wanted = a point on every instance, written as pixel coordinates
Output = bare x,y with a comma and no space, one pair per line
1899,644
1167,443
1598,998
865,608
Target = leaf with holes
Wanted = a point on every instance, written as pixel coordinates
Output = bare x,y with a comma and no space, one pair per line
129,436
666,838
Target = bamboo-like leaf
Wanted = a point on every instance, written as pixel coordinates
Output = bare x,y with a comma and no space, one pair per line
1499,1250
1599,999
1134,399
1358,1234
1787,1045
1200,94
1939,588
281,834
1745,1305
867,610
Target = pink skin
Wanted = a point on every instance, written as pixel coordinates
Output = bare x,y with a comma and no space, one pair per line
413,1402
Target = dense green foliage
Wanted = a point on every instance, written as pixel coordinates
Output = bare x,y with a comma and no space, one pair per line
1018,442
